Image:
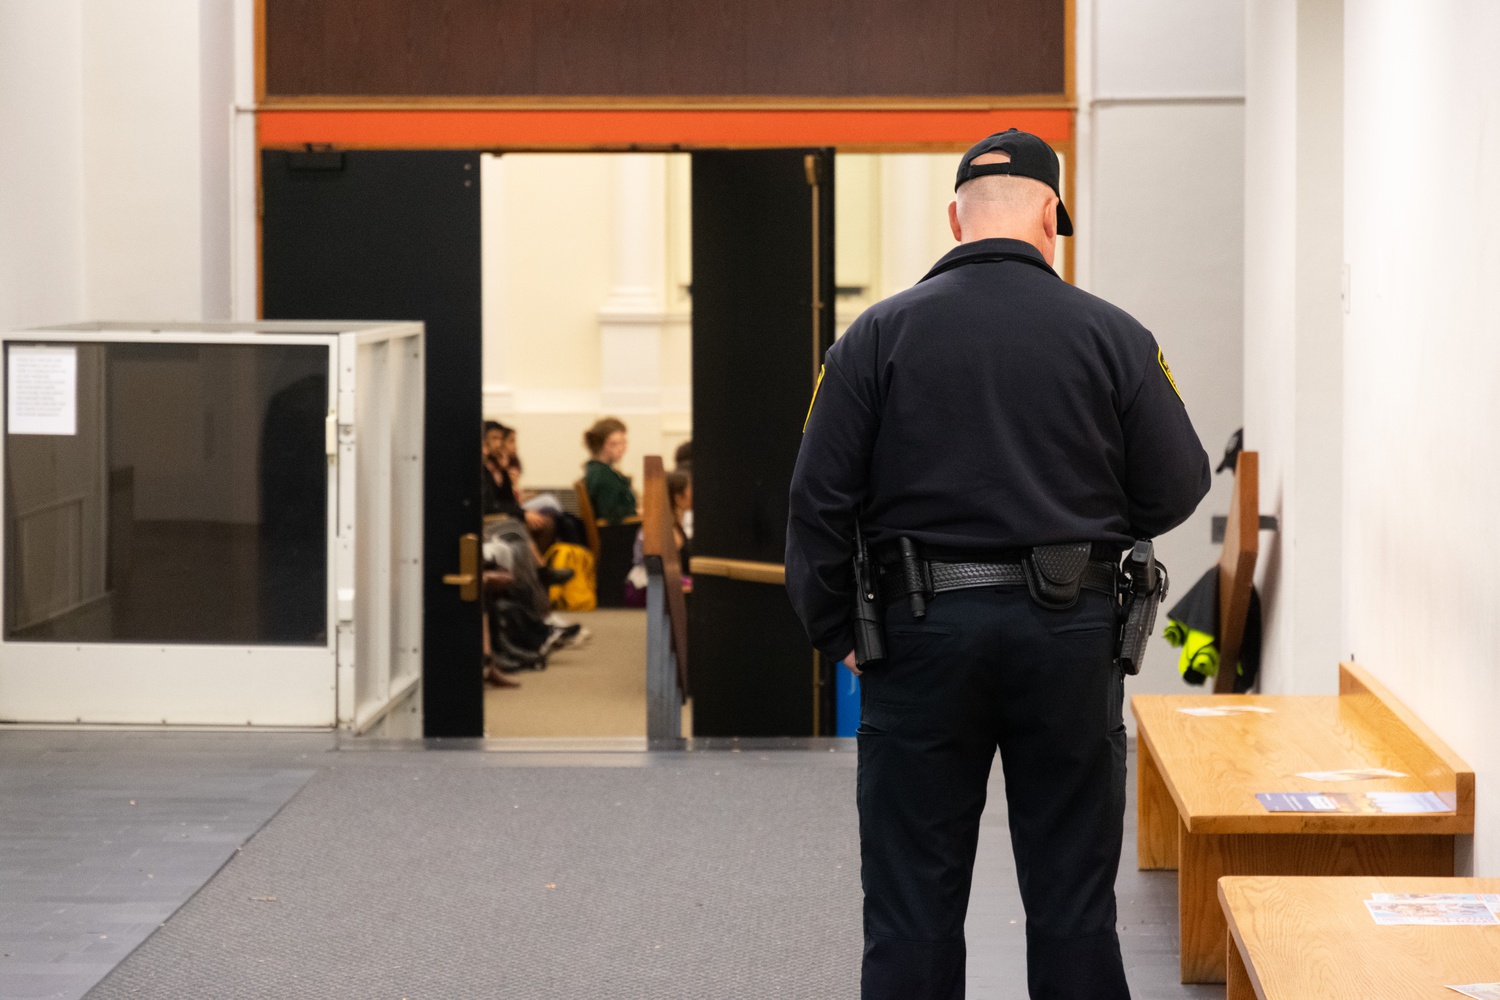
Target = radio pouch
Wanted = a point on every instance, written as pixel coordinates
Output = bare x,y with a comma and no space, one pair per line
1054,574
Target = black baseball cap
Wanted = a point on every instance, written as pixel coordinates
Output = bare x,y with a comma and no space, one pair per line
1029,157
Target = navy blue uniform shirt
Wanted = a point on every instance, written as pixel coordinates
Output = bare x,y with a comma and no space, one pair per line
992,406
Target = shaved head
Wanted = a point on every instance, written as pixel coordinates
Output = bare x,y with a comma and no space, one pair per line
998,193
1005,207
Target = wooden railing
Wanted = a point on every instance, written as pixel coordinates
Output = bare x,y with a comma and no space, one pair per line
666,609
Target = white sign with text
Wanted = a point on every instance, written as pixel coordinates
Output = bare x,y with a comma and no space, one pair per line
42,390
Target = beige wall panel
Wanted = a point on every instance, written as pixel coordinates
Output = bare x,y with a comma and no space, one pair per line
557,227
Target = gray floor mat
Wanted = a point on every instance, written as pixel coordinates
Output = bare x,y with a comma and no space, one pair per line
93,857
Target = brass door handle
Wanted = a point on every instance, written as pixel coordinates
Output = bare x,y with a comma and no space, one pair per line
467,577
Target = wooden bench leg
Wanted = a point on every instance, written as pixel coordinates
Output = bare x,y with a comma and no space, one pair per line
1203,858
1237,982
1200,862
1156,815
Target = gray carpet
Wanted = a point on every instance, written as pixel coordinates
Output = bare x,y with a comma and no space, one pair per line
461,874
95,853
399,875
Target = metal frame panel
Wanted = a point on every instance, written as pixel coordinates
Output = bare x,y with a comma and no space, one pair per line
145,683
378,546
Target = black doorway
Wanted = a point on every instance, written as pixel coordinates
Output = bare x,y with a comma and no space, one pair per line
763,296
396,236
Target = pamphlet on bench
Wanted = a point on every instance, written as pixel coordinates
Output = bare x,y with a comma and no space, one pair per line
1434,909
1479,991
1367,802
1215,711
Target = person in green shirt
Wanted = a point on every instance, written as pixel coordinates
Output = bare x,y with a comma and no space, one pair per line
609,489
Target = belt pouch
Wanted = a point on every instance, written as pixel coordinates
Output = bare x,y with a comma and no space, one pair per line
1054,574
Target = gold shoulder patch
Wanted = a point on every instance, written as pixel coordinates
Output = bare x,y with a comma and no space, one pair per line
822,369
1166,370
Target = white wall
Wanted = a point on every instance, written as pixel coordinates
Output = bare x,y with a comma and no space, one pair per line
156,84
1160,221
890,222
567,300
114,197
41,162
1293,330
1149,50
1422,91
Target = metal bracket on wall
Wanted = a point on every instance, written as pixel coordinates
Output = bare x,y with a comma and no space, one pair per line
1268,522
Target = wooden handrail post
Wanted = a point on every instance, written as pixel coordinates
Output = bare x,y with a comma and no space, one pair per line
666,609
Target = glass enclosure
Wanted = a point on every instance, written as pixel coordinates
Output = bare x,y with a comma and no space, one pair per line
166,493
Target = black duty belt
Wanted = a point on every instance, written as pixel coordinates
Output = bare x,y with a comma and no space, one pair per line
1098,576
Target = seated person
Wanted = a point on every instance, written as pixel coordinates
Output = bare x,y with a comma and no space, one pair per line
682,460
608,488
542,511
680,494
499,494
497,490
519,626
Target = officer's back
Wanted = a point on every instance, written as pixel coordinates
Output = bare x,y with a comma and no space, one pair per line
1000,436
991,407
1005,395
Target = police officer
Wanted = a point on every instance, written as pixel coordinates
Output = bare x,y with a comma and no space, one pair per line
1002,437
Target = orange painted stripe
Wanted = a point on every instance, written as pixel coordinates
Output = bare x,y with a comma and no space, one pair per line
585,129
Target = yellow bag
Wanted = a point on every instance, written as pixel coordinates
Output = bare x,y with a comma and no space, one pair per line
580,593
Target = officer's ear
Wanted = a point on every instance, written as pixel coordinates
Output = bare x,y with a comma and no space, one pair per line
958,230
1049,219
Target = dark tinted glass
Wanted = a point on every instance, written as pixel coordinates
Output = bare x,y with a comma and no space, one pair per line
188,505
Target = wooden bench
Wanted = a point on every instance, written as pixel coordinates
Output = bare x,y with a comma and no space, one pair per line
613,545
1198,777
1314,939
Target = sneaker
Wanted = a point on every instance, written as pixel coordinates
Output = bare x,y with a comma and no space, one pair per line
580,637
560,637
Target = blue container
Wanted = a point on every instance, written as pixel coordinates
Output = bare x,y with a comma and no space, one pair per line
846,702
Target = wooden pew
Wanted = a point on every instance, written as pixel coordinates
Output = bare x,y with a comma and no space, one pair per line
666,609
1314,939
1198,777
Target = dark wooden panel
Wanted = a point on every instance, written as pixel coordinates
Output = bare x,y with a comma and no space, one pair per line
755,238
395,235
656,48
752,669
753,342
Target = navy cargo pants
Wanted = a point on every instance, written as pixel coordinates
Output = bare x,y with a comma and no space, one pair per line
988,669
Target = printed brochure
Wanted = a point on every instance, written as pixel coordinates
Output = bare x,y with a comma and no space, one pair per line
1434,909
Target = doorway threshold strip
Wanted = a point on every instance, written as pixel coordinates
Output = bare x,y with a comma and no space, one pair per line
603,745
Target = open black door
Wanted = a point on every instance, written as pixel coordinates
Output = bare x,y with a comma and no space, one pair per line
396,236
762,318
